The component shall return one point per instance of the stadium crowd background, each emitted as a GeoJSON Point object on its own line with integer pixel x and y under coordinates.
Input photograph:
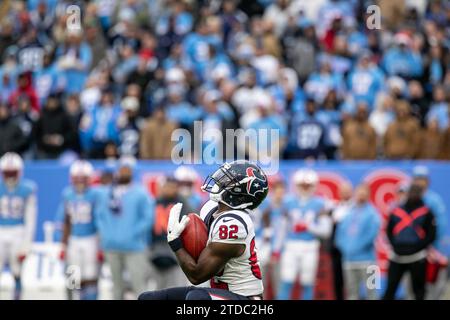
{"type": "Point", "coordinates": [137, 70]}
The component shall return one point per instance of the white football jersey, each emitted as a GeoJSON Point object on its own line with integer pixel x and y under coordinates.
{"type": "Point", "coordinates": [241, 275]}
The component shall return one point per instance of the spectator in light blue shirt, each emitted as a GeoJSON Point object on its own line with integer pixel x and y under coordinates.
{"type": "Point", "coordinates": [74, 59]}
{"type": "Point", "coordinates": [320, 83]}
{"type": "Point", "coordinates": [124, 217]}
{"type": "Point", "coordinates": [178, 109]}
{"type": "Point", "coordinates": [366, 80]}
{"type": "Point", "coordinates": [439, 108]}
{"type": "Point", "coordinates": [48, 79]}
{"type": "Point", "coordinates": [99, 126]}
{"type": "Point", "coordinates": [355, 238]}
{"type": "Point", "coordinates": [268, 123]}
{"type": "Point", "coordinates": [176, 20]}
{"type": "Point", "coordinates": [331, 117]}
{"type": "Point", "coordinates": [401, 60]}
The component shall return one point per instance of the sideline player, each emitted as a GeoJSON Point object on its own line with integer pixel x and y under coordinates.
{"type": "Point", "coordinates": [187, 177]}
{"type": "Point", "coordinates": [18, 209]}
{"type": "Point", "coordinates": [79, 240]}
{"type": "Point", "coordinates": [229, 259]}
{"type": "Point", "coordinates": [271, 211]}
{"type": "Point", "coordinates": [297, 238]}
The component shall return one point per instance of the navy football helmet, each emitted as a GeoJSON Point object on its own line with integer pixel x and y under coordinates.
{"type": "Point", "coordinates": [239, 184]}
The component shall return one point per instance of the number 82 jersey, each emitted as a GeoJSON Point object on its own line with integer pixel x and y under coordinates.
{"type": "Point", "coordinates": [241, 275]}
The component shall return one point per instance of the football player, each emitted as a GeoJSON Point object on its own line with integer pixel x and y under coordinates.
{"type": "Point", "coordinates": [271, 211]}
{"type": "Point", "coordinates": [79, 240]}
{"type": "Point", "coordinates": [298, 236]}
{"type": "Point", "coordinates": [18, 209]}
{"type": "Point", "coordinates": [229, 260]}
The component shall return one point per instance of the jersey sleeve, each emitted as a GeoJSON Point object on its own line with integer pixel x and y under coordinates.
{"type": "Point", "coordinates": [230, 229]}
{"type": "Point", "coordinates": [61, 211]}
{"type": "Point", "coordinates": [30, 188]}
{"type": "Point", "coordinates": [207, 208]}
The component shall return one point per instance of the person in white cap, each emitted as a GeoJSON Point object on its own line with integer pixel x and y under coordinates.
{"type": "Point", "coordinates": [267, 124]}
{"type": "Point", "coordinates": [74, 57]}
{"type": "Point", "coordinates": [186, 178]}
{"type": "Point", "coordinates": [18, 214]}
{"type": "Point", "coordinates": [401, 60]}
{"type": "Point", "coordinates": [297, 238]}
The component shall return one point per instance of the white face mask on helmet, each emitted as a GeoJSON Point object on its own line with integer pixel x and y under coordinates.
{"type": "Point", "coordinates": [214, 195]}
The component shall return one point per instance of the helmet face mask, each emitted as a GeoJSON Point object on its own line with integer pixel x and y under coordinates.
{"type": "Point", "coordinates": [186, 177]}
{"type": "Point", "coordinates": [11, 177]}
{"type": "Point", "coordinates": [219, 181]}
{"type": "Point", "coordinates": [10, 174]}
{"type": "Point", "coordinates": [305, 181]}
{"type": "Point", "coordinates": [306, 189]}
{"type": "Point", "coordinates": [11, 166]}
{"type": "Point", "coordinates": [80, 174]}
{"type": "Point", "coordinates": [239, 185]}
{"type": "Point", "coordinates": [80, 182]}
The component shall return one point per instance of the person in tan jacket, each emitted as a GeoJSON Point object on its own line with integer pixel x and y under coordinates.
{"type": "Point", "coordinates": [431, 141]}
{"type": "Point", "coordinates": [359, 137]}
{"type": "Point", "coordinates": [445, 148]}
{"type": "Point", "coordinates": [402, 138]}
{"type": "Point", "coordinates": [156, 134]}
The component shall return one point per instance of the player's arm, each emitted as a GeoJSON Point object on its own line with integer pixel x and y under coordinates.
{"type": "Point", "coordinates": [323, 227]}
{"type": "Point", "coordinates": [30, 221]}
{"type": "Point", "coordinates": [66, 229]}
{"type": "Point", "coordinates": [211, 261]}
{"type": "Point", "coordinates": [280, 234]}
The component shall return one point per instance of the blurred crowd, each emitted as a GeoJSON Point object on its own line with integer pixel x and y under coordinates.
{"type": "Point", "coordinates": [136, 70]}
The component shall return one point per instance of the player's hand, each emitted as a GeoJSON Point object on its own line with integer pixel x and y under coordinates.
{"type": "Point", "coordinates": [175, 227]}
{"type": "Point", "coordinates": [275, 256]}
{"type": "Point", "coordinates": [62, 254]}
{"type": "Point", "coordinates": [21, 257]}
{"type": "Point", "coordinates": [100, 256]}
{"type": "Point", "coordinates": [300, 227]}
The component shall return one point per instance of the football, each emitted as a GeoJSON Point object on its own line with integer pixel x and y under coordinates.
{"type": "Point", "coordinates": [195, 236]}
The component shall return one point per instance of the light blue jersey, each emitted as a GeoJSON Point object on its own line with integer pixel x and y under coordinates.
{"type": "Point", "coordinates": [13, 202]}
{"type": "Point", "coordinates": [79, 207]}
{"type": "Point", "coordinates": [356, 233]}
{"type": "Point", "coordinates": [124, 217]}
{"type": "Point", "coordinates": [436, 204]}
{"type": "Point", "coordinates": [275, 216]}
{"type": "Point", "coordinates": [303, 212]}
{"type": "Point", "coordinates": [195, 201]}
